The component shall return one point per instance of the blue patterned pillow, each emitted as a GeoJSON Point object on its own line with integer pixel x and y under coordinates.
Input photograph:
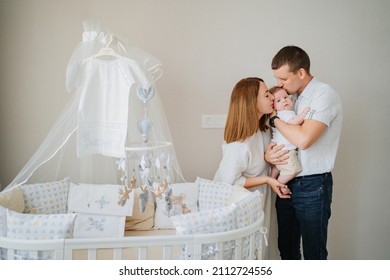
{"type": "Point", "coordinates": [213, 194]}
{"type": "Point", "coordinates": [46, 198]}
{"type": "Point", "coordinates": [208, 221]}
{"type": "Point", "coordinates": [248, 211]}
{"type": "Point", "coordinates": [3, 221]}
{"type": "Point", "coordinates": [42, 226]}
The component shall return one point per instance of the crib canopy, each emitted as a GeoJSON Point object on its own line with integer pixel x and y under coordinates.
{"type": "Point", "coordinates": [114, 128]}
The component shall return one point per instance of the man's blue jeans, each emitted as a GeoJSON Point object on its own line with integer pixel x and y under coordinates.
{"type": "Point", "coordinates": [305, 215]}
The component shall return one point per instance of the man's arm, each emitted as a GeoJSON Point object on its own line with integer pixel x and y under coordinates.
{"type": "Point", "coordinates": [302, 136]}
{"type": "Point", "coordinates": [299, 118]}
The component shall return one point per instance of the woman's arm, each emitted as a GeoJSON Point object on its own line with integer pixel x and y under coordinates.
{"type": "Point", "coordinates": [273, 183]}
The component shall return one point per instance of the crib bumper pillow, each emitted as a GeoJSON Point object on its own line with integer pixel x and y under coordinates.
{"type": "Point", "coordinates": [222, 207]}
{"type": "Point", "coordinates": [13, 200]}
{"type": "Point", "coordinates": [99, 226]}
{"type": "Point", "coordinates": [99, 199]}
{"type": "Point", "coordinates": [177, 198]}
{"type": "Point", "coordinates": [99, 212]}
{"type": "Point", "coordinates": [38, 227]}
{"type": "Point", "coordinates": [46, 198]}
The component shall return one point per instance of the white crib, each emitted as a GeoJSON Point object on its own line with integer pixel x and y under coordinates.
{"type": "Point", "coordinates": [226, 222]}
{"type": "Point", "coordinates": [166, 247]}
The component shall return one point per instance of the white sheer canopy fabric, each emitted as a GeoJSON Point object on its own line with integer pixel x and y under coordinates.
{"type": "Point", "coordinates": [116, 104]}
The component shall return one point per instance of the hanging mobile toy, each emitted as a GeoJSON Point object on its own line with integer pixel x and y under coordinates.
{"type": "Point", "coordinates": [143, 198]}
{"type": "Point", "coordinates": [124, 195]}
{"type": "Point", "coordinates": [145, 94]}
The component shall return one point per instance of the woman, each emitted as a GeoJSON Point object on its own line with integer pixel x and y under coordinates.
{"type": "Point", "coordinates": [246, 138]}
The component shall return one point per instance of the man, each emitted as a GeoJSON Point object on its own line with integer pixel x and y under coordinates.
{"type": "Point", "coordinates": [307, 212]}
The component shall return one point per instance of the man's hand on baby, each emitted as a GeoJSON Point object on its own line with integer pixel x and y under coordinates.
{"type": "Point", "coordinates": [275, 155]}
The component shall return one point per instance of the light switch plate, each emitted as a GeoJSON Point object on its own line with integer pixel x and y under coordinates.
{"type": "Point", "coordinates": [213, 121]}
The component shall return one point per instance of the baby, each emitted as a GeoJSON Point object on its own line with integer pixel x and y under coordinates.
{"type": "Point", "coordinates": [284, 105]}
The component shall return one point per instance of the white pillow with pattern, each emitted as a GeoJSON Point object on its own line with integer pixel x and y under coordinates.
{"type": "Point", "coordinates": [213, 194]}
{"type": "Point", "coordinates": [208, 221]}
{"type": "Point", "coordinates": [39, 226]}
{"type": "Point", "coordinates": [248, 211]}
{"type": "Point", "coordinates": [46, 198]}
{"type": "Point", "coordinates": [99, 226]}
{"type": "Point", "coordinates": [178, 198]}
{"type": "Point", "coordinates": [3, 221]}
{"type": "Point", "coordinates": [99, 199]}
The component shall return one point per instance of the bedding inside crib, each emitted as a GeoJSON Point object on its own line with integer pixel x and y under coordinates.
{"type": "Point", "coordinates": [92, 224]}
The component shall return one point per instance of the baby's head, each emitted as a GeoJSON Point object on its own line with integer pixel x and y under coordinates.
{"type": "Point", "coordinates": [282, 100]}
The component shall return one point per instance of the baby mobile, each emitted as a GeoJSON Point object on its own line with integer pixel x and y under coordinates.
{"type": "Point", "coordinates": [147, 161]}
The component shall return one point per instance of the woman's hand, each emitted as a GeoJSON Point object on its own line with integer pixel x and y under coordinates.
{"type": "Point", "coordinates": [281, 190]}
{"type": "Point", "coordinates": [275, 155]}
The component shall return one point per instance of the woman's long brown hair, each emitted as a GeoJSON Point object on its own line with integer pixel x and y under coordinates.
{"type": "Point", "coordinates": [242, 120]}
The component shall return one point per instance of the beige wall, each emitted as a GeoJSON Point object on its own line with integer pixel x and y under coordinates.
{"type": "Point", "coordinates": [206, 46]}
